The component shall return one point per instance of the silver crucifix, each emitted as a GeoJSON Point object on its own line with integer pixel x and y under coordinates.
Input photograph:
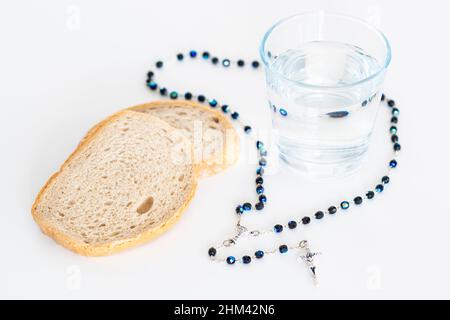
{"type": "Point", "coordinates": [308, 258]}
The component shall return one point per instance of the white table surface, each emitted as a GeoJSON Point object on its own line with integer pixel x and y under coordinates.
{"type": "Point", "coordinates": [67, 64]}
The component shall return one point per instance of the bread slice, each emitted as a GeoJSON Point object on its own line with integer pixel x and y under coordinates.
{"type": "Point", "coordinates": [214, 141]}
{"type": "Point", "coordinates": [126, 183]}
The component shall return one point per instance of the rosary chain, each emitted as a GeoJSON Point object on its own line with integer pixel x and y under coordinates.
{"type": "Point", "coordinates": [262, 163]}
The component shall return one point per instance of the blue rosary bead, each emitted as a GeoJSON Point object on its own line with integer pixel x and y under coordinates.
{"type": "Point", "coordinates": [345, 205]}
{"type": "Point", "coordinates": [193, 53]}
{"type": "Point", "coordinates": [259, 206]}
{"type": "Point", "coordinates": [370, 194]}
{"type": "Point", "coordinates": [391, 103]}
{"type": "Point", "coordinates": [395, 112]}
{"type": "Point", "coordinates": [215, 60]}
{"type": "Point", "coordinates": [247, 129]}
{"type": "Point", "coordinates": [394, 138]}
{"type": "Point", "coordinates": [260, 189]}
{"type": "Point", "coordinates": [173, 95]}
{"type": "Point", "coordinates": [212, 252]}
{"type": "Point", "coordinates": [259, 180]}
{"type": "Point", "coordinates": [319, 215]}
{"type": "Point", "coordinates": [255, 64]}
{"type": "Point", "coordinates": [188, 96]}
{"type": "Point", "coordinates": [163, 91]}
{"type": "Point", "coordinates": [263, 152]}
{"type": "Point", "coordinates": [212, 102]}
{"type": "Point", "coordinates": [259, 145]}
{"type": "Point", "coordinates": [150, 74]}
{"type": "Point", "coordinates": [152, 85]}
{"type": "Point", "coordinates": [379, 188]}
{"type": "Point", "coordinates": [201, 98]}
{"type": "Point", "coordinates": [159, 64]}
{"type": "Point", "coordinates": [260, 171]}
{"type": "Point", "coordinates": [283, 248]}
{"type": "Point", "coordinates": [283, 112]}
{"type": "Point", "coordinates": [246, 259]}
{"type": "Point", "coordinates": [306, 220]}
{"type": "Point", "coordinates": [225, 108]}
{"type": "Point", "coordinates": [205, 55]}
{"type": "Point", "coordinates": [259, 254]}
{"type": "Point", "coordinates": [385, 180]}
{"type": "Point", "coordinates": [358, 200]}
{"type": "Point", "coordinates": [332, 210]}
{"type": "Point", "coordinates": [231, 260]}
{"type": "Point", "coordinates": [393, 130]}
{"type": "Point", "coordinates": [278, 228]}
{"type": "Point", "coordinates": [262, 162]}
{"type": "Point", "coordinates": [262, 198]}
{"type": "Point", "coordinates": [180, 56]}
{"type": "Point", "coordinates": [239, 209]}
{"type": "Point", "coordinates": [397, 147]}
{"type": "Point", "coordinates": [292, 224]}
{"type": "Point", "coordinates": [247, 206]}
{"type": "Point", "coordinates": [226, 63]}
{"type": "Point", "coordinates": [235, 115]}
{"type": "Point", "coordinates": [393, 163]}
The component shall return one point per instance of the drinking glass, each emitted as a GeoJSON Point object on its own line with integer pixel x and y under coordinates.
{"type": "Point", "coordinates": [324, 73]}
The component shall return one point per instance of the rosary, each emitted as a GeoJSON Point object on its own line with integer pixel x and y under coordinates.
{"type": "Point", "coordinates": [242, 231]}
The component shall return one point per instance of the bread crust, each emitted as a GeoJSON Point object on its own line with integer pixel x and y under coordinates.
{"type": "Point", "coordinates": [114, 246]}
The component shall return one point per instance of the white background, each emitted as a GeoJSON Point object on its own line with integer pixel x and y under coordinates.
{"type": "Point", "coordinates": [64, 65]}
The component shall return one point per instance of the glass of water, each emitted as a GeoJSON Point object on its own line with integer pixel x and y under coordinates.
{"type": "Point", "coordinates": [324, 74]}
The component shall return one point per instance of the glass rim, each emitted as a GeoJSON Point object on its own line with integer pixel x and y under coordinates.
{"type": "Point", "coordinates": [382, 68]}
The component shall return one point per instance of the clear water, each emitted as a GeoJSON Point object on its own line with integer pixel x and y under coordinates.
{"type": "Point", "coordinates": [322, 130]}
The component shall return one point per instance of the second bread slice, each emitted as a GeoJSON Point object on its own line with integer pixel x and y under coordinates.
{"type": "Point", "coordinates": [214, 141]}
